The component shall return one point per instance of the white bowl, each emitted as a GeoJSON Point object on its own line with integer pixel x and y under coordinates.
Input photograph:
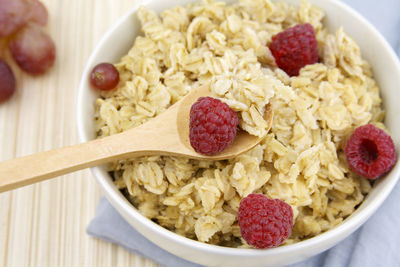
{"type": "Point", "coordinates": [386, 67]}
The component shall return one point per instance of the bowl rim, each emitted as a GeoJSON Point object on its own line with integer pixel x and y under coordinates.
{"type": "Point", "coordinates": [349, 225]}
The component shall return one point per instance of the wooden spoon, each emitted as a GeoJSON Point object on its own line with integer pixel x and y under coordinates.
{"type": "Point", "coordinates": [167, 134]}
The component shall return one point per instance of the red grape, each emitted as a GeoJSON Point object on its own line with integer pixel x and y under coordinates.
{"type": "Point", "coordinates": [104, 76]}
{"type": "Point", "coordinates": [32, 49]}
{"type": "Point", "coordinates": [38, 13]}
{"type": "Point", "coordinates": [7, 81]}
{"type": "Point", "coordinates": [14, 14]}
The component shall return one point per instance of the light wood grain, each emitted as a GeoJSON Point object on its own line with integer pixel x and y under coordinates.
{"type": "Point", "coordinates": [44, 224]}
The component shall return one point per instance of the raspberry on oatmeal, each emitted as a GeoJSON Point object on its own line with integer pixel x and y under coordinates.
{"type": "Point", "coordinates": [295, 48]}
{"type": "Point", "coordinates": [264, 222]}
{"type": "Point", "coordinates": [370, 152]}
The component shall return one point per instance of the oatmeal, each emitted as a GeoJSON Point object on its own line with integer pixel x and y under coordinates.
{"type": "Point", "coordinates": [300, 160]}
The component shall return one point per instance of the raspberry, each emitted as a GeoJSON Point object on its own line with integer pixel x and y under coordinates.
{"type": "Point", "coordinates": [264, 222]}
{"type": "Point", "coordinates": [212, 125]}
{"type": "Point", "coordinates": [294, 48]}
{"type": "Point", "coordinates": [370, 152]}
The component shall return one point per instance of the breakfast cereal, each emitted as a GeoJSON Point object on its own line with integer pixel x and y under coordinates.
{"type": "Point", "coordinates": [300, 160]}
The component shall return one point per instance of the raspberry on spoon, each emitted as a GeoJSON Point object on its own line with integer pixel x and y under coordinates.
{"type": "Point", "coordinates": [213, 125]}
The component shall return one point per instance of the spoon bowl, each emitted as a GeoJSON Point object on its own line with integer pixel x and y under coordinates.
{"type": "Point", "coordinates": [242, 142]}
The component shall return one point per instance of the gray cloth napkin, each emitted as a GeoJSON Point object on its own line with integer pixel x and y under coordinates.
{"type": "Point", "coordinates": [376, 243]}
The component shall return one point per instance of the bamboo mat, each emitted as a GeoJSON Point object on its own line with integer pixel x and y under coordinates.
{"type": "Point", "coordinates": [44, 224]}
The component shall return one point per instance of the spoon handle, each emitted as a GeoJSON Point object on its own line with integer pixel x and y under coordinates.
{"type": "Point", "coordinates": [34, 168]}
{"type": "Point", "coordinates": [155, 137]}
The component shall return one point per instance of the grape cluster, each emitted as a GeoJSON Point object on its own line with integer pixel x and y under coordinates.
{"type": "Point", "coordinates": [21, 30]}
